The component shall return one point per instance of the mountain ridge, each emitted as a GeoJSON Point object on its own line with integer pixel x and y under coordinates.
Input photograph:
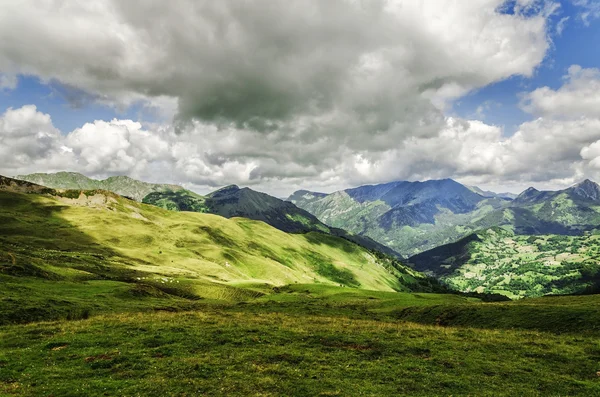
{"type": "Point", "coordinates": [413, 217]}
{"type": "Point", "coordinates": [122, 185]}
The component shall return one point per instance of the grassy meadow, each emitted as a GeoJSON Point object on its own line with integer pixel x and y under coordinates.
{"type": "Point", "coordinates": [300, 347]}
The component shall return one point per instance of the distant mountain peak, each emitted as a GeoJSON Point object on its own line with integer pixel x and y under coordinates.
{"type": "Point", "coordinates": [122, 185]}
{"type": "Point", "coordinates": [305, 196]}
{"type": "Point", "coordinates": [586, 183]}
{"type": "Point", "coordinates": [229, 189]}
{"type": "Point", "coordinates": [528, 195]}
{"type": "Point", "coordinates": [587, 189]}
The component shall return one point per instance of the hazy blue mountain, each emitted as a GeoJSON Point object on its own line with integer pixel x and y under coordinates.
{"type": "Point", "coordinates": [490, 194]}
{"type": "Point", "coordinates": [303, 197]}
{"type": "Point", "coordinates": [407, 216]}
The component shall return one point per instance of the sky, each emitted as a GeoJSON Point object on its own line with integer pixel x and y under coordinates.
{"type": "Point", "coordinates": [281, 95]}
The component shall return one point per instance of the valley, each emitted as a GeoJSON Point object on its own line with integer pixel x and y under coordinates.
{"type": "Point", "coordinates": [497, 261]}
{"type": "Point", "coordinates": [177, 293]}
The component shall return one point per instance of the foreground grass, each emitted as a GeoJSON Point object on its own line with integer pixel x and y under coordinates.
{"type": "Point", "coordinates": [221, 351]}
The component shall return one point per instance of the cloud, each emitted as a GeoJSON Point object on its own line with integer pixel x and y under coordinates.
{"type": "Point", "coordinates": [282, 94]}
{"type": "Point", "coordinates": [590, 9]}
{"type": "Point", "coordinates": [258, 63]}
{"type": "Point", "coordinates": [27, 137]}
{"type": "Point", "coordinates": [8, 82]}
{"type": "Point", "coordinates": [579, 96]}
{"type": "Point", "coordinates": [561, 25]}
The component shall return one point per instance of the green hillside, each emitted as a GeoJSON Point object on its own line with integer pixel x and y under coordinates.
{"type": "Point", "coordinates": [498, 261]}
{"type": "Point", "coordinates": [231, 201]}
{"type": "Point", "coordinates": [121, 185]}
{"type": "Point", "coordinates": [84, 244]}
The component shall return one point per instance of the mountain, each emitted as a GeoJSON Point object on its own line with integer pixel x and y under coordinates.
{"type": "Point", "coordinates": [231, 201]}
{"type": "Point", "coordinates": [303, 197]}
{"type": "Point", "coordinates": [490, 194]}
{"type": "Point", "coordinates": [497, 261]}
{"type": "Point", "coordinates": [121, 185]}
{"type": "Point", "coordinates": [569, 211]}
{"type": "Point", "coordinates": [412, 217]}
{"type": "Point", "coordinates": [409, 217]}
{"type": "Point", "coordinates": [64, 241]}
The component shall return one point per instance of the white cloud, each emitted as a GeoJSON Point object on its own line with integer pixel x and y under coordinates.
{"type": "Point", "coordinates": [273, 62]}
{"type": "Point", "coordinates": [8, 82]}
{"type": "Point", "coordinates": [561, 25]}
{"type": "Point", "coordinates": [287, 94]}
{"type": "Point", "coordinates": [549, 151]}
{"type": "Point", "coordinates": [590, 10]}
{"type": "Point", "coordinates": [27, 137]}
{"type": "Point", "coordinates": [579, 96]}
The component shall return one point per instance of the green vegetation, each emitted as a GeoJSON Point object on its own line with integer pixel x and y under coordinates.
{"type": "Point", "coordinates": [309, 340]}
{"type": "Point", "coordinates": [498, 261]}
{"type": "Point", "coordinates": [59, 254]}
{"type": "Point", "coordinates": [101, 295]}
{"type": "Point", "coordinates": [182, 200]}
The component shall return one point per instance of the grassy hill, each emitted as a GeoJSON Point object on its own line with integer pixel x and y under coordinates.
{"type": "Point", "coordinates": [496, 260]}
{"type": "Point", "coordinates": [68, 247]}
{"type": "Point", "coordinates": [231, 201]}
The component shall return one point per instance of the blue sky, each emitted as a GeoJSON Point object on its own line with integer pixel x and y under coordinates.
{"type": "Point", "coordinates": [578, 44]}
{"type": "Point", "coordinates": [66, 116]}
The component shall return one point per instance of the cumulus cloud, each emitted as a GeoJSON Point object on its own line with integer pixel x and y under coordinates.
{"type": "Point", "coordinates": [27, 137]}
{"type": "Point", "coordinates": [579, 96]}
{"type": "Point", "coordinates": [258, 64]}
{"type": "Point", "coordinates": [286, 94]}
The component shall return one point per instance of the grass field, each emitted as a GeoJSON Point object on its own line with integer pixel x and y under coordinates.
{"type": "Point", "coordinates": [335, 343]}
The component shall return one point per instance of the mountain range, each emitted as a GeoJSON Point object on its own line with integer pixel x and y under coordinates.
{"type": "Point", "coordinates": [468, 238]}
{"type": "Point", "coordinates": [413, 217]}
{"type": "Point", "coordinates": [409, 217]}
